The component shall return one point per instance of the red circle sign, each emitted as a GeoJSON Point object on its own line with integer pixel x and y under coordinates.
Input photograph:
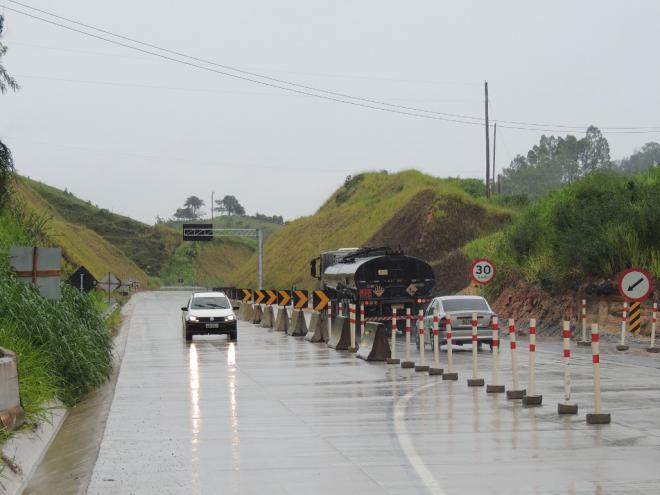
{"type": "Point", "coordinates": [635, 284]}
{"type": "Point", "coordinates": [482, 271]}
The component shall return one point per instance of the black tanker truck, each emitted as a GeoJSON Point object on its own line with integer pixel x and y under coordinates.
{"type": "Point", "coordinates": [380, 278]}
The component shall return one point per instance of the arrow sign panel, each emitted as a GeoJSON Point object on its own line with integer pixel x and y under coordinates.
{"type": "Point", "coordinates": [635, 284]}
{"type": "Point", "coordinates": [283, 297]}
{"type": "Point", "coordinates": [259, 296]}
{"type": "Point", "coordinates": [300, 299]}
{"type": "Point", "coordinates": [110, 282]}
{"type": "Point", "coordinates": [320, 300]}
{"type": "Point", "coordinates": [247, 295]}
{"type": "Point", "coordinates": [272, 297]}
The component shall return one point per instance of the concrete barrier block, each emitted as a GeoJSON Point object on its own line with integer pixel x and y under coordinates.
{"type": "Point", "coordinates": [12, 415]}
{"type": "Point", "coordinates": [267, 318]}
{"type": "Point", "coordinates": [257, 314]}
{"type": "Point", "coordinates": [282, 323]}
{"type": "Point", "coordinates": [298, 327]}
{"type": "Point", "coordinates": [374, 345]}
{"type": "Point", "coordinates": [340, 334]}
{"type": "Point", "coordinates": [318, 328]}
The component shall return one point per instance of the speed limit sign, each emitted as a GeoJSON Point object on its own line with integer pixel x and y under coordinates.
{"type": "Point", "coordinates": [482, 271]}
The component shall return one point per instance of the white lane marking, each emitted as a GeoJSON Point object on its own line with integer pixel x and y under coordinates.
{"type": "Point", "coordinates": [407, 446]}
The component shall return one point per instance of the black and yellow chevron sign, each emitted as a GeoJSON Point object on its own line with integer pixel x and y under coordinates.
{"type": "Point", "coordinates": [635, 317]}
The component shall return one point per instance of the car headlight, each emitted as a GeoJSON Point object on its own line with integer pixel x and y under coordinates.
{"type": "Point", "coordinates": [231, 318]}
{"type": "Point", "coordinates": [192, 318]}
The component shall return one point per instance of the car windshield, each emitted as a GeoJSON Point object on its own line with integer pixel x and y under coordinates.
{"type": "Point", "coordinates": [453, 305]}
{"type": "Point", "coordinates": [210, 302]}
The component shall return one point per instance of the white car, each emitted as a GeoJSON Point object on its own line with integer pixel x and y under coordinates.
{"type": "Point", "coordinates": [209, 313]}
{"type": "Point", "coordinates": [461, 309]}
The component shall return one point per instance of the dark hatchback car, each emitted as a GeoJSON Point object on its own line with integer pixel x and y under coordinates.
{"type": "Point", "coordinates": [209, 313]}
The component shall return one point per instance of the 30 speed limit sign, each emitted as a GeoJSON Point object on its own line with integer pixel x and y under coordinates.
{"type": "Point", "coordinates": [483, 271]}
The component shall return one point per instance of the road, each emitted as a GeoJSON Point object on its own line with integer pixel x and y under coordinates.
{"type": "Point", "coordinates": [279, 415]}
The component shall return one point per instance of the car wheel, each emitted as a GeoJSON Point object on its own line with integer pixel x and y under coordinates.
{"type": "Point", "coordinates": [188, 335]}
{"type": "Point", "coordinates": [490, 344]}
{"type": "Point", "coordinates": [233, 335]}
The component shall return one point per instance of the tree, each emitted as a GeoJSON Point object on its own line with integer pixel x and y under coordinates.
{"type": "Point", "coordinates": [230, 206]}
{"type": "Point", "coordinates": [595, 153]}
{"type": "Point", "coordinates": [6, 162]}
{"type": "Point", "coordinates": [643, 159]}
{"type": "Point", "coordinates": [194, 203]}
{"type": "Point", "coordinates": [6, 81]}
{"type": "Point", "coordinates": [184, 214]}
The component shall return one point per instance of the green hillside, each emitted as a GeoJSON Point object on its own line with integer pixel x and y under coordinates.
{"type": "Point", "coordinates": [428, 217]}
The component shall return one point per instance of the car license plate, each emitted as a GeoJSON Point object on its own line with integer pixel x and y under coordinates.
{"type": "Point", "coordinates": [213, 325]}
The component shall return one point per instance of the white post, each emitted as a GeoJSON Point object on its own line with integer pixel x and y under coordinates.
{"type": "Point", "coordinates": [532, 399]}
{"type": "Point", "coordinates": [624, 323]}
{"type": "Point", "coordinates": [495, 345]}
{"type": "Point", "coordinates": [436, 369]}
{"type": "Point", "coordinates": [566, 407]}
{"type": "Point", "coordinates": [654, 319]}
{"type": "Point", "coordinates": [450, 374]}
{"type": "Point", "coordinates": [583, 317]}
{"type": "Point", "coordinates": [475, 381]}
{"type": "Point", "coordinates": [517, 392]}
{"type": "Point", "coordinates": [362, 320]}
{"type": "Point", "coordinates": [408, 363]}
{"type": "Point", "coordinates": [598, 417]}
{"type": "Point", "coordinates": [422, 343]}
{"type": "Point", "coordinates": [393, 359]}
{"type": "Point", "coordinates": [351, 311]}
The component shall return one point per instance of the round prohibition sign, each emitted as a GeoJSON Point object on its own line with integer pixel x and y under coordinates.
{"type": "Point", "coordinates": [635, 284]}
{"type": "Point", "coordinates": [482, 271]}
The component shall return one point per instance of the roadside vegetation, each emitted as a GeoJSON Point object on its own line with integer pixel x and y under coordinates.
{"type": "Point", "coordinates": [592, 228]}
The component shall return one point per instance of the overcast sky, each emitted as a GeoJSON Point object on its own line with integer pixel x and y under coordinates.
{"type": "Point", "coordinates": [137, 134]}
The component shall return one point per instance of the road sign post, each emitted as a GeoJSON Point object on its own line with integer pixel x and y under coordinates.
{"type": "Point", "coordinates": [635, 285]}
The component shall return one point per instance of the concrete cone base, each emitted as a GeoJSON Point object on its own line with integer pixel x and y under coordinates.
{"type": "Point", "coordinates": [598, 419]}
{"type": "Point", "coordinates": [495, 389]}
{"type": "Point", "coordinates": [622, 347]}
{"type": "Point", "coordinates": [422, 367]}
{"type": "Point", "coordinates": [532, 400]}
{"type": "Point", "coordinates": [475, 382]}
{"type": "Point", "coordinates": [352, 349]}
{"type": "Point", "coordinates": [515, 394]}
{"type": "Point", "coordinates": [407, 364]}
{"type": "Point", "coordinates": [436, 371]}
{"type": "Point", "coordinates": [393, 361]}
{"type": "Point", "coordinates": [450, 376]}
{"type": "Point", "coordinates": [567, 408]}
{"type": "Point", "coordinates": [653, 349]}
{"type": "Point", "coordinates": [583, 343]}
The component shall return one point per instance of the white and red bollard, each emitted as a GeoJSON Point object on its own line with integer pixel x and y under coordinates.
{"type": "Point", "coordinates": [475, 381]}
{"type": "Point", "coordinates": [408, 363]}
{"type": "Point", "coordinates": [597, 417]}
{"type": "Point", "coordinates": [532, 398]}
{"type": "Point", "coordinates": [340, 309]}
{"type": "Point", "coordinates": [516, 392]}
{"type": "Point", "coordinates": [393, 359]}
{"type": "Point", "coordinates": [351, 310]}
{"type": "Point", "coordinates": [436, 369]}
{"type": "Point", "coordinates": [583, 318]}
{"type": "Point", "coordinates": [654, 319]}
{"type": "Point", "coordinates": [567, 407]}
{"type": "Point", "coordinates": [422, 366]}
{"type": "Point", "coordinates": [450, 374]}
{"type": "Point", "coordinates": [494, 387]}
{"type": "Point", "coordinates": [624, 323]}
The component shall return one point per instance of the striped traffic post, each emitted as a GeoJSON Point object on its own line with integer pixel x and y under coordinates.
{"type": "Point", "coordinates": [351, 312]}
{"type": "Point", "coordinates": [495, 388]}
{"type": "Point", "coordinates": [451, 374]}
{"type": "Point", "coordinates": [583, 317]}
{"type": "Point", "coordinates": [654, 319]}
{"type": "Point", "coordinates": [567, 407]}
{"type": "Point", "coordinates": [393, 359]}
{"type": "Point", "coordinates": [475, 381]}
{"type": "Point", "coordinates": [517, 392]}
{"type": "Point", "coordinates": [422, 366]}
{"type": "Point", "coordinates": [340, 309]}
{"type": "Point", "coordinates": [408, 363]}
{"type": "Point", "coordinates": [330, 318]}
{"type": "Point", "coordinates": [362, 320]}
{"type": "Point", "coordinates": [532, 398]}
{"type": "Point", "coordinates": [436, 369]}
{"type": "Point", "coordinates": [624, 320]}
{"type": "Point", "coordinates": [597, 417]}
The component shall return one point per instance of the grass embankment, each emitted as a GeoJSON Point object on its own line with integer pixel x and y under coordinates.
{"type": "Point", "coordinates": [593, 228]}
{"type": "Point", "coordinates": [80, 245]}
{"type": "Point", "coordinates": [63, 347]}
{"type": "Point", "coordinates": [378, 208]}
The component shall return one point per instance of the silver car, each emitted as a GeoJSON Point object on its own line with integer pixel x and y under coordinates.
{"type": "Point", "coordinates": [461, 309]}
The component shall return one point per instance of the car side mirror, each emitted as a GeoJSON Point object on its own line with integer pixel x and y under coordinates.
{"type": "Point", "coordinates": [185, 308]}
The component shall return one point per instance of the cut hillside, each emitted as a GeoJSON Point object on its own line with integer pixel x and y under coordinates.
{"type": "Point", "coordinates": [148, 247]}
{"type": "Point", "coordinates": [428, 217]}
{"type": "Point", "coordinates": [80, 245]}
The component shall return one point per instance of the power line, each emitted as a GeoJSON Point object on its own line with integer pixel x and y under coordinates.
{"type": "Point", "coordinates": [306, 90]}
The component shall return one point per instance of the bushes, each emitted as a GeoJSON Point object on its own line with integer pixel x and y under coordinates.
{"type": "Point", "coordinates": [69, 334]}
{"type": "Point", "coordinates": [595, 227]}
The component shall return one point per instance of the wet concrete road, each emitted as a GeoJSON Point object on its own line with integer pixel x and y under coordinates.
{"type": "Point", "coordinates": [279, 415]}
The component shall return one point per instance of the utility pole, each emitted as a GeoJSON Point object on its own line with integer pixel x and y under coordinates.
{"type": "Point", "coordinates": [212, 192]}
{"type": "Point", "coordinates": [487, 142]}
{"type": "Point", "coordinates": [494, 145]}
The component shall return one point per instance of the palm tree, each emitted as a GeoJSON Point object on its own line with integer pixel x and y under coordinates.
{"type": "Point", "coordinates": [194, 203]}
{"type": "Point", "coordinates": [6, 81]}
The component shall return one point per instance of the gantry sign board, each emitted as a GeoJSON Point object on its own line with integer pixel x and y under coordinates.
{"type": "Point", "coordinates": [635, 284]}
{"type": "Point", "coordinates": [482, 271]}
{"type": "Point", "coordinates": [197, 232]}
{"type": "Point", "coordinates": [39, 266]}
